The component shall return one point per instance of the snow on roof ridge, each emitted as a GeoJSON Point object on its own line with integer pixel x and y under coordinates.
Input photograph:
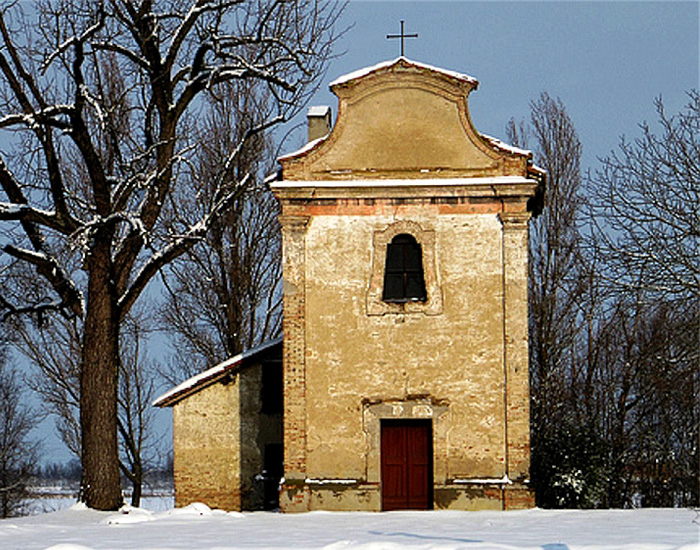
{"type": "Point", "coordinates": [318, 110]}
{"type": "Point", "coordinates": [214, 371]}
{"type": "Point", "coordinates": [503, 145]}
{"type": "Point", "coordinates": [310, 145]}
{"type": "Point", "coordinates": [384, 64]}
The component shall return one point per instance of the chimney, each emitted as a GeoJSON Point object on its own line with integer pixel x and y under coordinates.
{"type": "Point", "coordinates": [319, 118]}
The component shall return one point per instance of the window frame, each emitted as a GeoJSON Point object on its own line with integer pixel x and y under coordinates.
{"type": "Point", "coordinates": [375, 304]}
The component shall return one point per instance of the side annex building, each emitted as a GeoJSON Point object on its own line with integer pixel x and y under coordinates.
{"type": "Point", "coordinates": [402, 380]}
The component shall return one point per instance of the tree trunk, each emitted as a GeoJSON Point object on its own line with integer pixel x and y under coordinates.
{"type": "Point", "coordinates": [137, 483]}
{"type": "Point", "coordinates": [101, 486]}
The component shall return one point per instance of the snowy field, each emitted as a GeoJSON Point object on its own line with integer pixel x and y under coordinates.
{"type": "Point", "coordinates": [199, 528]}
{"type": "Point", "coordinates": [55, 502]}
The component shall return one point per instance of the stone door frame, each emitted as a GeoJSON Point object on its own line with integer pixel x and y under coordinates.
{"type": "Point", "coordinates": [420, 408]}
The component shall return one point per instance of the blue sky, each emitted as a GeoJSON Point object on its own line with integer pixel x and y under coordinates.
{"type": "Point", "coordinates": [607, 61]}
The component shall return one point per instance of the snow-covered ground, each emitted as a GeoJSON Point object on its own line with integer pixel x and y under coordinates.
{"type": "Point", "coordinates": [199, 528]}
{"type": "Point", "coordinates": [53, 502]}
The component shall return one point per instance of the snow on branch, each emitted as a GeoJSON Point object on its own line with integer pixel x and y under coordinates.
{"type": "Point", "coordinates": [195, 12]}
{"type": "Point", "coordinates": [76, 40]}
{"type": "Point", "coordinates": [11, 211]}
{"type": "Point", "coordinates": [23, 212]}
{"type": "Point", "coordinates": [178, 246]}
{"type": "Point", "coordinates": [229, 165]}
{"type": "Point", "coordinates": [34, 119]}
{"type": "Point", "coordinates": [39, 309]}
{"type": "Point", "coordinates": [51, 270]}
{"type": "Point", "coordinates": [130, 218]}
{"type": "Point", "coordinates": [126, 52]}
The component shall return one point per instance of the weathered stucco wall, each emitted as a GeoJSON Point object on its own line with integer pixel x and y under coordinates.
{"type": "Point", "coordinates": [227, 430]}
{"type": "Point", "coordinates": [206, 448]}
{"type": "Point", "coordinates": [219, 436]}
{"type": "Point", "coordinates": [462, 362]}
{"type": "Point", "coordinates": [455, 357]}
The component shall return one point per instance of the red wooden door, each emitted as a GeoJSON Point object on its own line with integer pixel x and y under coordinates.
{"type": "Point", "coordinates": [407, 465]}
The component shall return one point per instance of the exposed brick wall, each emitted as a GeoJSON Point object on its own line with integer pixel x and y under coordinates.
{"type": "Point", "coordinates": [294, 327]}
{"type": "Point", "coordinates": [206, 448]}
{"type": "Point", "coordinates": [515, 233]}
{"type": "Point", "coordinates": [518, 498]}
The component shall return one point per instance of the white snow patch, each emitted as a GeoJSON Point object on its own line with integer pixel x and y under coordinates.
{"type": "Point", "coordinates": [331, 481]}
{"type": "Point", "coordinates": [367, 70]}
{"type": "Point", "coordinates": [505, 480]}
{"type": "Point", "coordinates": [426, 182]}
{"type": "Point", "coordinates": [129, 514]}
{"type": "Point", "coordinates": [194, 509]}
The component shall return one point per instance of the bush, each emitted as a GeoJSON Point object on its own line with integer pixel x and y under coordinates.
{"type": "Point", "coordinates": [569, 468]}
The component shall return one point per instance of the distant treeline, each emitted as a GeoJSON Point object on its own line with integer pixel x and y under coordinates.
{"type": "Point", "coordinates": [68, 474]}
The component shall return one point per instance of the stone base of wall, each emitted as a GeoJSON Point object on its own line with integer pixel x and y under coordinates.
{"type": "Point", "coordinates": [471, 498]}
{"type": "Point", "coordinates": [338, 497]}
{"type": "Point", "coordinates": [519, 497]}
{"type": "Point", "coordinates": [223, 498]}
{"type": "Point", "coordinates": [294, 496]}
{"type": "Point", "coordinates": [366, 497]}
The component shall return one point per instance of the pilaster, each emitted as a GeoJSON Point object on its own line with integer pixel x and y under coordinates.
{"type": "Point", "coordinates": [515, 332]}
{"type": "Point", "coordinates": [294, 496]}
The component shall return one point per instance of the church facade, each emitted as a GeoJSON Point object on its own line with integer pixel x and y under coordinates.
{"type": "Point", "coordinates": [405, 354]}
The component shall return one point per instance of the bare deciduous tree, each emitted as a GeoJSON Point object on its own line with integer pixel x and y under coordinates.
{"type": "Point", "coordinates": [557, 284]}
{"type": "Point", "coordinates": [614, 352]}
{"type": "Point", "coordinates": [98, 103]}
{"type": "Point", "coordinates": [18, 454]}
{"type": "Point", "coordinates": [224, 294]}
{"type": "Point", "coordinates": [647, 194]}
{"type": "Point", "coordinates": [137, 384]}
{"type": "Point", "coordinates": [54, 350]}
{"type": "Point", "coordinates": [645, 226]}
{"type": "Point", "coordinates": [663, 436]}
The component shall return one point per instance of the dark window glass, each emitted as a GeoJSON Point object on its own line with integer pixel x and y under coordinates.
{"type": "Point", "coordinates": [403, 273]}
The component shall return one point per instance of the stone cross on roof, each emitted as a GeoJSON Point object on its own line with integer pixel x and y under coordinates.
{"type": "Point", "coordinates": [402, 36]}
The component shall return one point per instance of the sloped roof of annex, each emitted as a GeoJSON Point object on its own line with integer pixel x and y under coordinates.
{"type": "Point", "coordinates": [215, 374]}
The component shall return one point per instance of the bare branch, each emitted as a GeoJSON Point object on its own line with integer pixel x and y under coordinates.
{"type": "Point", "coordinates": [75, 40]}
{"type": "Point", "coordinates": [176, 248]}
{"type": "Point", "coordinates": [52, 271]}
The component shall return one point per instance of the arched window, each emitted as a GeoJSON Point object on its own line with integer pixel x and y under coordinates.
{"type": "Point", "coordinates": [403, 272]}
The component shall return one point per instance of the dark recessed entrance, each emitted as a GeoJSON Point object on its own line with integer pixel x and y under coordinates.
{"type": "Point", "coordinates": [407, 465]}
